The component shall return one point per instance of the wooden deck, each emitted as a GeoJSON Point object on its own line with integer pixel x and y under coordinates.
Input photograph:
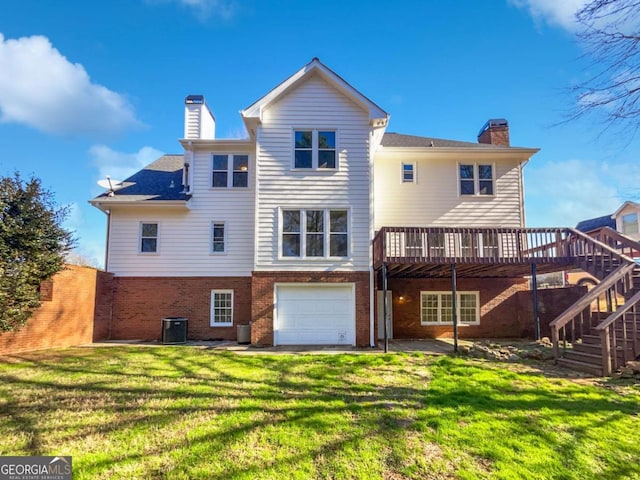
{"type": "Point", "coordinates": [479, 252]}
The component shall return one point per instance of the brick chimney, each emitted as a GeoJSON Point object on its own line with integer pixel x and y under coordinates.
{"type": "Point", "coordinates": [495, 132]}
{"type": "Point", "coordinates": [199, 122]}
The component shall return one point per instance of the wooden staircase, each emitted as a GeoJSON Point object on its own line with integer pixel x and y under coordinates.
{"type": "Point", "coordinates": [601, 332]}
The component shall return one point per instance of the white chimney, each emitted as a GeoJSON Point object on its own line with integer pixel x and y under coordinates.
{"type": "Point", "coordinates": [199, 122]}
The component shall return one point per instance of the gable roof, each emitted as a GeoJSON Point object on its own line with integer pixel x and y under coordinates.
{"type": "Point", "coordinates": [626, 204]}
{"type": "Point", "coordinates": [252, 115]}
{"type": "Point", "coordinates": [160, 181]}
{"type": "Point", "coordinates": [596, 223]}
{"type": "Point", "coordinates": [398, 140]}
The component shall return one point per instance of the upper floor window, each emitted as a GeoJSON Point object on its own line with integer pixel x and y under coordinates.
{"type": "Point", "coordinates": [630, 223]}
{"type": "Point", "coordinates": [148, 238]}
{"type": "Point", "coordinates": [218, 237]}
{"type": "Point", "coordinates": [230, 171]}
{"type": "Point", "coordinates": [315, 149]}
{"type": "Point", "coordinates": [408, 173]}
{"type": "Point", "coordinates": [476, 179]}
{"type": "Point", "coordinates": [315, 233]}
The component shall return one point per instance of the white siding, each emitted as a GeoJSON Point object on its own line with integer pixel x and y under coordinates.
{"type": "Point", "coordinates": [313, 105]}
{"type": "Point", "coordinates": [185, 235]}
{"type": "Point", "coordinates": [433, 199]}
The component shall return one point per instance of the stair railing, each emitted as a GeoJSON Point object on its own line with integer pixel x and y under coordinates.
{"type": "Point", "coordinates": [576, 320]}
{"type": "Point", "coordinates": [619, 335]}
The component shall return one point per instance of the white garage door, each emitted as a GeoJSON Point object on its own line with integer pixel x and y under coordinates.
{"type": "Point", "coordinates": [314, 315]}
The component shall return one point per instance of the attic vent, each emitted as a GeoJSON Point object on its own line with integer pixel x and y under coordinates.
{"type": "Point", "coordinates": [197, 99]}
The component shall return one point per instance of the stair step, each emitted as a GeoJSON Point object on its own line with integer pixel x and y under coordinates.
{"type": "Point", "coordinates": [583, 357]}
{"type": "Point", "coordinates": [590, 339]}
{"type": "Point", "coordinates": [592, 348]}
{"type": "Point", "coordinates": [581, 367]}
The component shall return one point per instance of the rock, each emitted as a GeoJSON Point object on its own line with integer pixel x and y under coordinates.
{"type": "Point", "coordinates": [514, 358]}
{"type": "Point", "coordinates": [633, 366]}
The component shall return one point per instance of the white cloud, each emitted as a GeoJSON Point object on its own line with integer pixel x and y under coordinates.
{"type": "Point", "coordinates": [120, 165]}
{"type": "Point", "coordinates": [41, 88]}
{"type": "Point", "coordinates": [563, 193]}
{"type": "Point", "coordinates": [225, 9]}
{"type": "Point", "coordinates": [560, 13]}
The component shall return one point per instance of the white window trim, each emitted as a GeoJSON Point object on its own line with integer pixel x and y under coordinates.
{"type": "Point", "coordinates": [229, 186]}
{"type": "Point", "coordinates": [224, 225]}
{"type": "Point", "coordinates": [414, 171]}
{"type": "Point", "coordinates": [476, 180]}
{"type": "Point", "coordinates": [440, 292]}
{"type": "Point", "coordinates": [314, 149]}
{"type": "Point", "coordinates": [303, 234]}
{"type": "Point", "coordinates": [140, 252]}
{"type": "Point", "coordinates": [212, 310]}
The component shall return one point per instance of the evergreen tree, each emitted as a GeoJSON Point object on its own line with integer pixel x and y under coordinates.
{"type": "Point", "coordinates": [33, 245]}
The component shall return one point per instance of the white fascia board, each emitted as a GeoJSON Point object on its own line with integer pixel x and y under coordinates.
{"type": "Point", "coordinates": [377, 116]}
{"type": "Point", "coordinates": [105, 204]}
{"type": "Point", "coordinates": [521, 154]}
{"type": "Point", "coordinates": [239, 143]}
{"type": "Point", "coordinates": [626, 204]}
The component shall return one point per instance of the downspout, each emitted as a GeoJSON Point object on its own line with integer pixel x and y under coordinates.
{"type": "Point", "coordinates": [372, 297]}
{"type": "Point", "coordinates": [522, 215]}
{"type": "Point", "coordinates": [106, 250]}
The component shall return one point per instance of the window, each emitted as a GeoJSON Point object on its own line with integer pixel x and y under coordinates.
{"type": "Point", "coordinates": [315, 149]}
{"type": "Point", "coordinates": [315, 233]}
{"type": "Point", "coordinates": [408, 173]}
{"type": "Point", "coordinates": [630, 223]}
{"type": "Point", "coordinates": [339, 235]}
{"type": "Point", "coordinates": [437, 308]}
{"type": "Point", "coordinates": [436, 244]}
{"type": "Point", "coordinates": [413, 244]}
{"type": "Point", "coordinates": [221, 308]}
{"type": "Point", "coordinates": [218, 237]}
{"type": "Point", "coordinates": [490, 244]}
{"type": "Point", "coordinates": [476, 179]}
{"type": "Point", "coordinates": [230, 171]}
{"type": "Point", "coordinates": [148, 238]}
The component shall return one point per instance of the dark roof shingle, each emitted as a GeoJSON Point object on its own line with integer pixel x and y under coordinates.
{"type": "Point", "coordinates": [160, 180]}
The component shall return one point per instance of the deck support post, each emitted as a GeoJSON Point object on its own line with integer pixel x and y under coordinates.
{"type": "Point", "coordinates": [385, 307]}
{"type": "Point", "coordinates": [536, 312]}
{"type": "Point", "coordinates": [454, 306]}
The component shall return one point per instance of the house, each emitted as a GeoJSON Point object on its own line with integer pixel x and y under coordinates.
{"type": "Point", "coordinates": [626, 219]}
{"type": "Point", "coordinates": [300, 228]}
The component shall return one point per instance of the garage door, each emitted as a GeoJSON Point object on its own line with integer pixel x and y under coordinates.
{"type": "Point", "coordinates": [314, 315]}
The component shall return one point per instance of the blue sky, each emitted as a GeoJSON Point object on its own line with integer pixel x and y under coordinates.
{"type": "Point", "coordinates": [95, 88]}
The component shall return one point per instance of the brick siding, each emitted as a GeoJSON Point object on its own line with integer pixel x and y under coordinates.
{"type": "Point", "coordinates": [551, 303]}
{"type": "Point", "coordinates": [262, 304]}
{"type": "Point", "coordinates": [499, 307]}
{"type": "Point", "coordinates": [64, 319]}
{"type": "Point", "coordinates": [140, 304]}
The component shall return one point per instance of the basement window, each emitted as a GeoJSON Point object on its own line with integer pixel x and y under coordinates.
{"type": "Point", "coordinates": [436, 308]}
{"type": "Point", "coordinates": [221, 308]}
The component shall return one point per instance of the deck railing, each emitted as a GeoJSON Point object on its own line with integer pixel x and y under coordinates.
{"type": "Point", "coordinates": [489, 245]}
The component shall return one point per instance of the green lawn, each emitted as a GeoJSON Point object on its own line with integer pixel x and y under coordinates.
{"type": "Point", "coordinates": [184, 412]}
